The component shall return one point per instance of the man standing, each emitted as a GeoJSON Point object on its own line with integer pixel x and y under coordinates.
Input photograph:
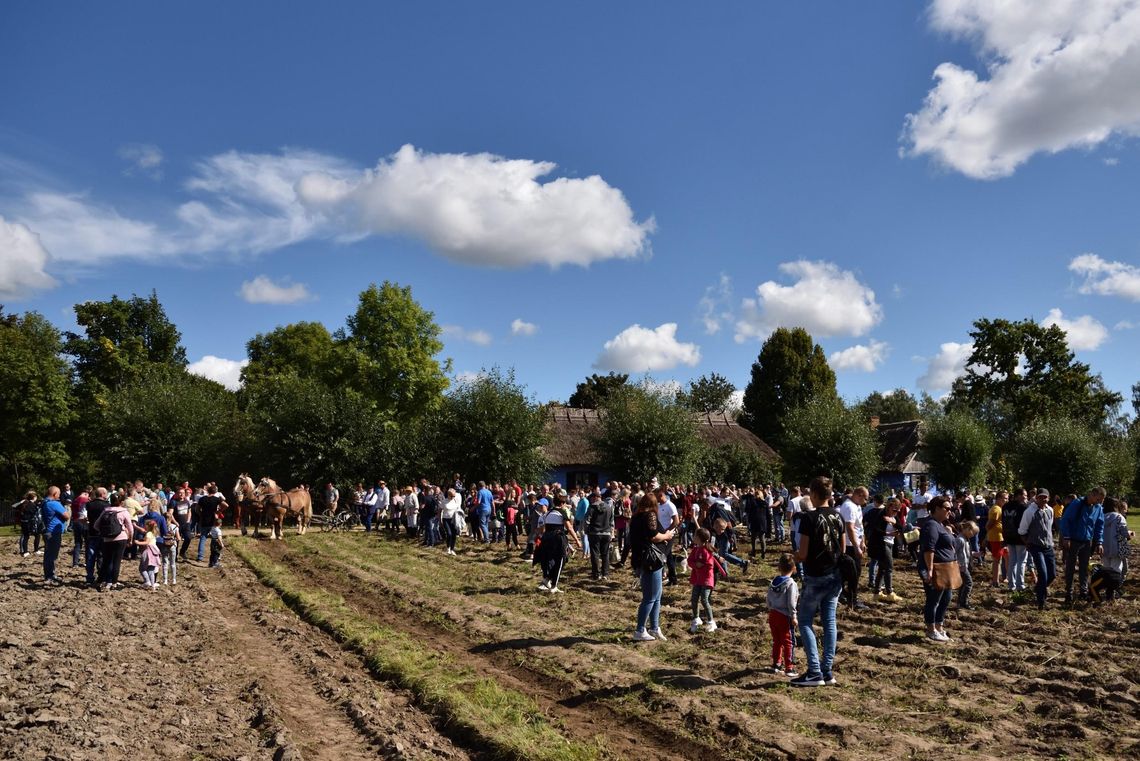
{"type": "Point", "coordinates": [599, 526]}
{"type": "Point", "coordinates": [55, 516]}
{"type": "Point", "coordinates": [1082, 529]}
{"type": "Point", "coordinates": [1011, 514]}
{"type": "Point", "coordinates": [95, 508]}
{"type": "Point", "coordinates": [180, 507]}
{"type": "Point", "coordinates": [383, 501]}
{"type": "Point", "coordinates": [758, 513]}
{"type": "Point", "coordinates": [820, 536]}
{"type": "Point", "coordinates": [852, 513]}
{"type": "Point", "coordinates": [332, 497]}
{"type": "Point", "coordinates": [667, 520]}
{"type": "Point", "coordinates": [208, 509]}
{"type": "Point", "coordinates": [486, 505]}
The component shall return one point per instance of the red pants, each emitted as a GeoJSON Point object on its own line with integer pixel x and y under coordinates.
{"type": "Point", "coordinates": [781, 627]}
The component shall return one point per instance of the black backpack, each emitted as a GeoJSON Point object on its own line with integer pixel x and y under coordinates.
{"type": "Point", "coordinates": [1011, 513]}
{"type": "Point", "coordinates": [108, 526]}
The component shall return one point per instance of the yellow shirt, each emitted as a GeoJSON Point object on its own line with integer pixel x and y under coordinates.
{"type": "Point", "coordinates": [993, 533]}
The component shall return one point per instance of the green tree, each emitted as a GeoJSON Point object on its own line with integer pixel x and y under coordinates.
{"type": "Point", "coordinates": [891, 407]}
{"type": "Point", "coordinates": [643, 434]}
{"type": "Point", "coordinates": [120, 339]}
{"type": "Point", "coordinates": [302, 348]}
{"type": "Point", "coordinates": [789, 371]}
{"type": "Point", "coordinates": [709, 393]}
{"type": "Point", "coordinates": [1059, 454]}
{"type": "Point", "coordinates": [929, 407]}
{"type": "Point", "coordinates": [1119, 452]}
{"type": "Point", "coordinates": [823, 437]}
{"type": "Point", "coordinates": [734, 464]}
{"type": "Point", "coordinates": [958, 448]}
{"type": "Point", "coordinates": [171, 426]}
{"type": "Point", "coordinates": [593, 392]}
{"type": "Point", "coordinates": [394, 363]}
{"type": "Point", "coordinates": [489, 429]}
{"type": "Point", "coordinates": [1020, 371]}
{"type": "Point", "coordinates": [35, 401]}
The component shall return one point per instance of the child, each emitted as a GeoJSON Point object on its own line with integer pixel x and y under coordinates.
{"type": "Point", "coordinates": [512, 518]}
{"type": "Point", "coordinates": [967, 530]}
{"type": "Point", "coordinates": [216, 546]}
{"type": "Point", "coordinates": [1116, 536]}
{"type": "Point", "coordinates": [148, 557]}
{"type": "Point", "coordinates": [169, 551]}
{"type": "Point", "coordinates": [702, 565]}
{"type": "Point", "coordinates": [783, 596]}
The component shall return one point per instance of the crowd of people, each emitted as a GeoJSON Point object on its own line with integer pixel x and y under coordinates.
{"type": "Point", "coordinates": [824, 539]}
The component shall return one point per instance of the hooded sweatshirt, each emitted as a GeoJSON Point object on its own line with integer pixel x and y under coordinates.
{"type": "Point", "coordinates": [783, 595]}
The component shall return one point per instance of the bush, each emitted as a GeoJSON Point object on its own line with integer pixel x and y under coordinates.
{"type": "Point", "coordinates": [1059, 454]}
{"type": "Point", "coordinates": [825, 438]}
{"type": "Point", "coordinates": [958, 449]}
{"type": "Point", "coordinates": [644, 434]}
{"type": "Point", "coordinates": [734, 464]}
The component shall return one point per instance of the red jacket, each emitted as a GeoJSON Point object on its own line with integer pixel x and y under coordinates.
{"type": "Point", "coordinates": [701, 564]}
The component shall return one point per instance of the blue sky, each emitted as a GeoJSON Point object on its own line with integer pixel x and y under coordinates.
{"type": "Point", "coordinates": [630, 186]}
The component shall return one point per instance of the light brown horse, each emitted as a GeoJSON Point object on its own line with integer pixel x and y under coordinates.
{"type": "Point", "coordinates": [248, 507]}
{"type": "Point", "coordinates": [279, 504]}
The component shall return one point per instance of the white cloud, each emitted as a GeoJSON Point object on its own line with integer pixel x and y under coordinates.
{"type": "Point", "coordinates": [666, 389]}
{"type": "Point", "coordinates": [736, 400]}
{"type": "Point", "coordinates": [469, 376]}
{"type": "Point", "coordinates": [79, 231]}
{"type": "Point", "coordinates": [946, 367]}
{"type": "Point", "coordinates": [480, 337]}
{"type": "Point", "coordinates": [1107, 278]}
{"type": "Point", "coordinates": [523, 328]}
{"type": "Point", "coordinates": [142, 158]}
{"type": "Point", "coordinates": [1124, 325]}
{"type": "Point", "coordinates": [224, 371]}
{"type": "Point", "coordinates": [483, 209]}
{"type": "Point", "coordinates": [1111, 161]}
{"type": "Point", "coordinates": [859, 357]}
{"type": "Point", "coordinates": [1058, 74]}
{"type": "Point", "coordinates": [22, 261]}
{"type": "Point", "coordinates": [637, 349]}
{"type": "Point", "coordinates": [713, 303]}
{"type": "Point", "coordinates": [824, 300]}
{"type": "Point", "coordinates": [1083, 334]}
{"type": "Point", "coordinates": [262, 290]}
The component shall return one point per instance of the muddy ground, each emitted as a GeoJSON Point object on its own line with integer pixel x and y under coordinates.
{"type": "Point", "coordinates": [220, 667]}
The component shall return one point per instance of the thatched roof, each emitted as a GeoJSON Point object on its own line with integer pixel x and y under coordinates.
{"type": "Point", "coordinates": [572, 429]}
{"type": "Point", "coordinates": [900, 444]}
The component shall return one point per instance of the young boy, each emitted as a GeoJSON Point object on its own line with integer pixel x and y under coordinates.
{"type": "Point", "coordinates": [966, 532]}
{"type": "Point", "coordinates": [783, 596]}
{"type": "Point", "coordinates": [216, 546]}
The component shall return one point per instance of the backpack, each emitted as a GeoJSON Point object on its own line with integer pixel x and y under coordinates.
{"type": "Point", "coordinates": [1011, 514]}
{"type": "Point", "coordinates": [108, 526]}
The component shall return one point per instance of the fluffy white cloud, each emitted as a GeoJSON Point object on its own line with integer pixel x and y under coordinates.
{"type": "Point", "coordinates": [824, 299]}
{"type": "Point", "coordinates": [142, 158]}
{"type": "Point", "coordinates": [523, 328]}
{"type": "Point", "coordinates": [1058, 74]}
{"type": "Point", "coordinates": [714, 302]}
{"type": "Point", "coordinates": [262, 290]}
{"type": "Point", "coordinates": [946, 367]}
{"type": "Point", "coordinates": [224, 371]}
{"type": "Point", "coordinates": [1107, 278]}
{"type": "Point", "coordinates": [859, 357]}
{"type": "Point", "coordinates": [637, 349]}
{"type": "Point", "coordinates": [483, 209]}
{"type": "Point", "coordinates": [22, 261]}
{"type": "Point", "coordinates": [459, 333]}
{"type": "Point", "coordinates": [1083, 334]}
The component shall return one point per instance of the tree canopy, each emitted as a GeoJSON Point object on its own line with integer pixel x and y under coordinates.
{"type": "Point", "coordinates": [593, 392]}
{"type": "Point", "coordinates": [891, 407]}
{"type": "Point", "coordinates": [790, 370]}
{"type": "Point", "coordinates": [822, 437]}
{"type": "Point", "coordinates": [645, 435]}
{"type": "Point", "coordinates": [302, 348]}
{"type": "Point", "coordinates": [708, 393]}
{"type": "Point", "coordinates": [958, 448]}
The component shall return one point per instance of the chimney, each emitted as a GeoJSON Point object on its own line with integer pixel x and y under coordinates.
{"type": "Point", "coordinates": [874, 422]}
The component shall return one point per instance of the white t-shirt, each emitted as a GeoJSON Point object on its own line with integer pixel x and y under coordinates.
{"type": "Point", "coordinates": [794, 505]}
{"type": "Point", "coordinates": [666, 513]}
{"type": "Point", "coordinates": [853, 514]}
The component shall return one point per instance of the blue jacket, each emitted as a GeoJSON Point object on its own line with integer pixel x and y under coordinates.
{"type": "Point", "coordinates": [1082, 522]}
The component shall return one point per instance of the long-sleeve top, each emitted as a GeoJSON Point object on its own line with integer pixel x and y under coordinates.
{"type": "Point", "coordinates": [1082, 522]}
{"type": "Point", "coordinates": [1037, 526]}
{"type": "Point", "coordinates": [1115, 540]}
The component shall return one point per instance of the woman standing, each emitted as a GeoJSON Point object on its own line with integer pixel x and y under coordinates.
{"type": "Point", "coordinates": [882, 533]}
{"type": "Point", "coordinates": [936, 548]}
{"type": "Point", "coordinates": [557, 525]}
{"type": "Point", "coordinates": [448, 514]}
{"type": "Point", "coordinates": [113, 548]}
{"type": "Point", "coordinates": [647, 547]}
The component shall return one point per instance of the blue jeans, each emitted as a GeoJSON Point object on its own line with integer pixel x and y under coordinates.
{"type": "Point", "coordinates": [52, 544]}
{"type": "Point", "coordinates": [1045, 563]}
{"type": "Point", "coordinates": [778, 522]}
{"type": "Point", "coordinates": [485, 526]}
{"type": "Point", "coordinates": [202, 538]}
{"type": "Point", "coordinates": [821, 594]}
{"type": "Point", "coordinates": [79, 550]}
{"type": "Point", "coordinates": [937, 601]}
{"type": "Point", "coordinates": [369, 516]}
{"type": "Point", "coordinates": [649, 611]}
{"type": "Point", "coordinates": [723, 542]}
{"type": "Point", "coordinates": [1017, 558]}
{"type": "Point", "coordinates": [94, 553]}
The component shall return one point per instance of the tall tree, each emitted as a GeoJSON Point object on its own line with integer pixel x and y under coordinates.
{"type": "Point", "coordinates": [891, 407]}
{"type": "Point", "coordinates": [1020, 371]}
{"type": "Point", "coordinates": [708, 393]}
{"type": "Point", "coordinates": [1059, 454]}
{"type": "Point", "coordinates": [790, 370]}
{"type": "Point", "coordinates": [824, 438]}
{"type": "Point", "coordinates": [120, 337]}
{"type": "Point", "coordinates": [35, 401]}
{"type": "Point", "coordinates": [302, 348]}
{"type": "Point", "coordinates": [593, 392]}
{"type": "Point", "coordinates": [644, 435]}
{"type": "Point", "coordinates": [958, 449]}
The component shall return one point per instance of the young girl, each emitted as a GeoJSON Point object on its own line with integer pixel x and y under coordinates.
{"type": "Point", "coordinates": [966, 531]}
{"type": "Point", "coordinates": [148, 556]}
{"type": "Point", "coordinates": [783, 596]}
{"type": "Point", "coordinates": [169, 550]}
{"type": "Point", "coordinates": [702, 566]}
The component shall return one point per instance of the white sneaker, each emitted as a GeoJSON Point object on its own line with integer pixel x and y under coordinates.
{"type": "Point", "coordinates": [643, 636]}
{"type": "Point", "coordinates": [27, 554]}
{"type": "Point", "coordinates": [711, 627]}
{"type": "Point", "coordinates": [695, 626]}
{"type": "Point", "coordinates": [544, 586]}
{"type": "Point", "coordinates": [555, 590]}
{"type": "Point", "coordinates": [658, 634]}
{"type": "Point", "coordinates": [39, 552]}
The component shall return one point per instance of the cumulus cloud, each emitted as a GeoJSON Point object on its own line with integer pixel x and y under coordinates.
{"type": "Point", "coordinates": [142, 158]}
{"type": "Point", "coordinates": [714, 302]}
{"type": "Point", "coordinates": [1083, 334]}
{"type": "Point", "coordinates": [23, 260]}
{"type": "Point", "coordinates": [1058, 74]}
{"type": "Point", "coordinates": [863, 358]}
{"type": "Point", "coordinates": [637, 349]}
{"type": "Point", "coordinates": [224, 371]}
{"type": "Point", "coordinates": [824, 300]}
{"type": "Point", "coordinates": [1106, 278]}
{"type": "Point", "coordinates": [262, 290]}
{"type": "Point", "coordinates": [946, 367]}
{"type": "Point", "coordinates": [459, 333]}
{"type": "Point", "coordinates": [483, 209]}
{"type": "Point", "coordinates": [521, 327]}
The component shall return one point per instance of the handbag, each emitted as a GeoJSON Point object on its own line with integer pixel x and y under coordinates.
{"type": "Point", "coordinates": [912, 536]}
{"type": "Point", "coordinates": [615, 554]}
{"type": "Point", "coordinates": [654, 558]}
{"type": "Point", "coordinates": [946, 576]}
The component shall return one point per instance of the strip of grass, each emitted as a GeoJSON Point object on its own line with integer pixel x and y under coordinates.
{"type": "Point", "coordinates": [509, 724]}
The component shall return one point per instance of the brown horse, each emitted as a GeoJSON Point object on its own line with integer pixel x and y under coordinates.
{"type": "Point", "coordinates": [279, 504]}
{"type": "Point", "coordinates": [248, 507]}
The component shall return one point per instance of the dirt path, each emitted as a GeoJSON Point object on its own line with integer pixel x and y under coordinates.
{"type": "Point", "coordinates": [212, 668]}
